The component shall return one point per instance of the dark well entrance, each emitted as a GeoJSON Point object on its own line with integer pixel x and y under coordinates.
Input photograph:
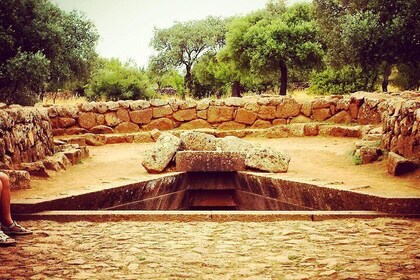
{"type": "Point", "coordinates": [231, 189]}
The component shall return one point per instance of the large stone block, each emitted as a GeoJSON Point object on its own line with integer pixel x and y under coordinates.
{"type": "Point", "coordinates": [267, 112]}
{"type": "Point", "coordinates": [156, 160]}
{"type": "Point", "coordinates": [66, 122]}
{"type": "Point", "coordinates": [127, 127]}
{"type": "Point", "coordinates": [141, 116]}
{"type": "Point", "coordinates": [163, 111]}
{"type": "Point", "coordinates": [288, 108]}
{"type": "Point", "coordinates": [321, 114]}
{"type": "Point", "coordinates": [123, 115]}
{"type": "Point", "coordinates": [398, 165]}
{"type": "Point", "coordinates": [209, 161]}
{"type": "Point", "coordinates": [19, 179]}
{"type": "Point", "coordinates": [220, 114]}
{"type": "Point", "coordinates": [87, 120]}
{"type": "Point", "coordinates": [267, 159]}
{"type": "Point", "coordinates": [160, 124]}
{"type": "Point", "coordinates": [111, 119]}
{"type": "Point", "coordinates": [245, 116]}
{"type": "Point", "coordinates": [197, 141]}
{"type": "Point", "coordinates": [185, 115]}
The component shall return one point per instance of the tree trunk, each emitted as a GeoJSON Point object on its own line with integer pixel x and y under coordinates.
{"type": "Point", "coordinates": [236, 89]}
{"type": "Point", "coordinates": [386, 74]}
{"type": "Point", "coordinates": [283, 78]}
{"type": "Point", "coordinates": [188, 80]}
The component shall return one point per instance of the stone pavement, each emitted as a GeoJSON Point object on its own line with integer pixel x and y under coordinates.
{"type": "Point", "coordinates": [334, 249]}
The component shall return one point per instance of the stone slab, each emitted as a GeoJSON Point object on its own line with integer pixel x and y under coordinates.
{"type": "Point", "coordinates": [203, 216]}
{"type": "Point", "coordinates": [209, 161]}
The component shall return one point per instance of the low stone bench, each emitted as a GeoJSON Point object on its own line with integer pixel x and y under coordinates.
{"type": "Point", "coordinates": [209, 161]}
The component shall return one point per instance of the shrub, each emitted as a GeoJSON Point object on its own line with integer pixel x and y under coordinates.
{"type": "Point", "coordinates": [116, 81]}
{"type": "Point", "coordinates": [342, 81]}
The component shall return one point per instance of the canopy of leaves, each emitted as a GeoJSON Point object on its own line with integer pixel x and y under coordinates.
{"type": "Point", "coordinates": [275, 39]}
{"type": "Point", "coordinates": [371, 34]}
{"type": "Point", "coordinates": [182, 44]}
{"type": "Point", "coordinates": [41, 46]}
{"type": "Point", "coordinates": [116, 81]}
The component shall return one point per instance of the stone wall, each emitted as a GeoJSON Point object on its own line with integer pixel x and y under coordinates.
{"type": "Point", "coordinates": [25, 136]}
{"type": "Point", "coordinates": [401, 128]}
{"type": "Point", "coordinates": [228, 114]}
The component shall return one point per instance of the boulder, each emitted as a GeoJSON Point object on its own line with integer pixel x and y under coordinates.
{"type": "Point", "coordinates": [127, 127]}
{"type": "Point", "coordinates": [267, 112]}
{"type": "Point", "coordinates": [141, 116]}
{"type": "Point", "coordinates": [245, 116]}
{"type": "Point", "coordinates": [35, 169]}
{"type": "Point", "coordinates": [162, 111]}
{"type": "Point", "coordinates": [197, 141]}
{"type": "Point", "coordinates": [261, 124]}
{"type": "Point", "coordinates": [398, 165]}
{"type": "Point", "coordinates": [220, 114]}
{"type": "Point", "coordinates": [123, 115]}
{"type": "Point", "coordinates": [160, 124]}
{"type": "Point", "coordinates": [288, 108]}
{"type": "Point", "coordinates": [369, 154]}
{"type": "Point", "coordinates": [19, 179]}
{"type": "Point", "coordinates": [87, 120]}
{"type": "Point", "coordinates": [185, 115]}
{"type": "Point", "coordinates": [66, 122]}
{"type": "Point", "coordinates": [233, 144]}
{"type": "Point", "coordinates": [267, 159]}
{"type": "Point", "coordinates": [156, 160]}
{"type": "Point", "coordinates": [111, 119]}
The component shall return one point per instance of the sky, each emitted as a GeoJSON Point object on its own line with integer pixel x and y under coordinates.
{"type": "Point", "coordinates": [126, 26]}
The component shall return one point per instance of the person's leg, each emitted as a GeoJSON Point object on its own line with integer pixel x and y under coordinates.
{"type": "Point", "coordinates": [6, 216]}
{"type": "Point", "coordinates": [4, 239]}
{"type": "Point", "coordinates": [8, 226]}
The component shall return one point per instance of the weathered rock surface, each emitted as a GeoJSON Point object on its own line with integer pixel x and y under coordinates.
{"type": "Point", "coordinates": [197, 141]}
{"type": "Point", "coordinates": [19, 179]}
{"type": "Point", "coordinates": [209, 161]}
{"type": "Point", "coordinates": [267, 159]}
{"type": "Point", "coordinates": [398, 165]}
{"type": "Point", "coordinates": [157, 160]}
{"type": "Point", "coordinates": [233, 144]}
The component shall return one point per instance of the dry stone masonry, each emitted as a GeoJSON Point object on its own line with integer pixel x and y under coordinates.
{"type": "Point", "coordinates": [228, 114]}
{"type": "Point", "coordinates": [25, 136]}
{"type": "Point", "coordinates": [27, 146]}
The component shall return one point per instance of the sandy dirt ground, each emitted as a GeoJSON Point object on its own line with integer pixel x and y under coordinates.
{"type": "Point", "coordinates": [315, 159]}
{"type": "Point", "coordinates": [344, 250]}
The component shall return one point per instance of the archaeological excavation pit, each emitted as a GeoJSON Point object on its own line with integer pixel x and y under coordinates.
{"type": "Point", "coordinates": [206, 182]}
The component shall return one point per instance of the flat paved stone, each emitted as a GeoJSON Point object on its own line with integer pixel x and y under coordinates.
{"type": "Point", "coordinates": [336, 249]}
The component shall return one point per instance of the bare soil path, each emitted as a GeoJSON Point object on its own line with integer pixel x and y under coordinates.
{"type": "Point", "coordinates": [313, 159]}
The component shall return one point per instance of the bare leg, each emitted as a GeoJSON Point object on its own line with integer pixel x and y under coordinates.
{"type": "Point", "coordinates": [6, 217]}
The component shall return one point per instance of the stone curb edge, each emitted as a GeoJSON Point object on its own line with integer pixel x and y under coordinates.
{"type": "Point", "coordinates": [205, 216]}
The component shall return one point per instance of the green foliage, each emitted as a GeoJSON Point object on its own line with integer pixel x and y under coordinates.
{"type": "Point", "coordinates": [408, 76]}
{"type": "Point", "coordinates": [182, 44]}
{"type": "Point", "coordinates": [116, 81]}
{"type": "Point", "coordinates": [275, 40]}
{"type": "Point", "coordinates": [342, 81]}
{"type": "Point", "coordinates": [42, 47]}
{"type": "Point", "coordinates": [173, 79]}
{"type": "Point", "coordinates": [374, 35]}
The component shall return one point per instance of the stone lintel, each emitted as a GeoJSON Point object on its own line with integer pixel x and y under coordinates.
{"type": "Point", "coordinates": [209, 161]}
